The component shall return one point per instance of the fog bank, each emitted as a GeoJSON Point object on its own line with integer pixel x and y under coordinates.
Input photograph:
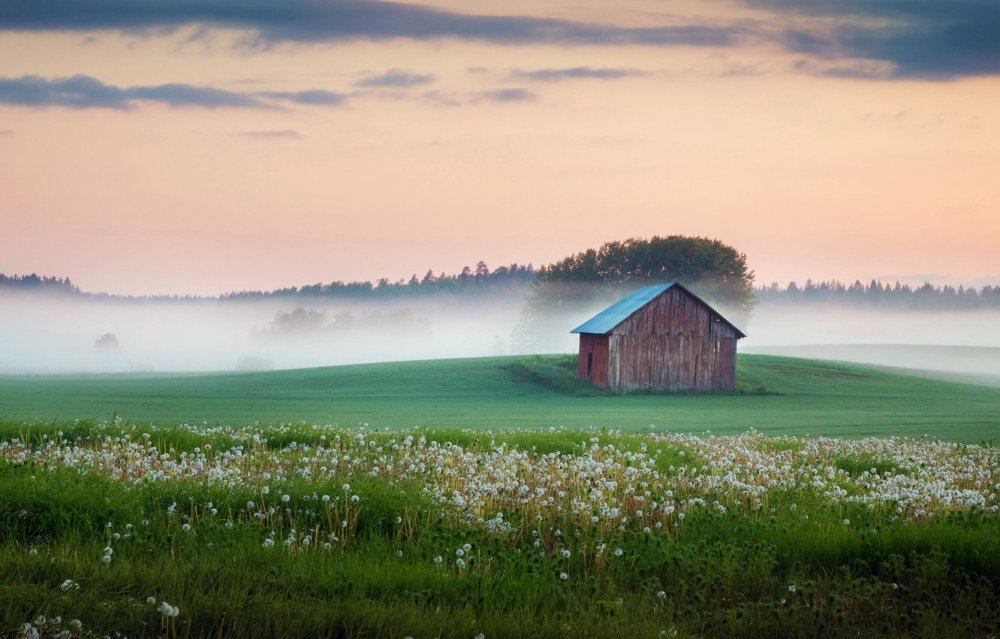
{"type": "Point", "coordinates": [956, 345]}
{"type": "Point", "coordinates": [42, 333]}
{"type": "Point", "coordinates": [63, 334]}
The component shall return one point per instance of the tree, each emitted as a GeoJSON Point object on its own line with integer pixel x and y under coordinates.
{"type": "Point", "coordinates": [713, 270]}
{"type": "Point", "coordinates": [711, 267]}
{"type": "Point", "coordinates": [107, 342]}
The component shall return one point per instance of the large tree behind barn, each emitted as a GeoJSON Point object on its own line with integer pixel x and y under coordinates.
{"type": "Point", "coordinates": [661, 337]}
{"type": "Point", "coordinates": [591, 279]}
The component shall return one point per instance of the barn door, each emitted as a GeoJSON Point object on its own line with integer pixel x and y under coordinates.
{"type": "Point", "coordinates": [590, 364]}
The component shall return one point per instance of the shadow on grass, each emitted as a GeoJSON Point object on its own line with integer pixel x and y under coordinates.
{"type": "Point", "coordinates": [558, 373]}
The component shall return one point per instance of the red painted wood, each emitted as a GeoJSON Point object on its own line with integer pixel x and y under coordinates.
{"type": "Point", "coordinates": [676, 342]}
{"type": "Point", "coordinates": [596, 346]}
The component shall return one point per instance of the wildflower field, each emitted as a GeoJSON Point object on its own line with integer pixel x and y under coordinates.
{"type": "Point", "coordinates": [230, 528]}
{"type": "Point", "coordinates": [301, 530]}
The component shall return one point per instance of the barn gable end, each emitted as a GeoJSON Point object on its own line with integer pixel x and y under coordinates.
{"type": "Point", "coordinates": [661, 337]}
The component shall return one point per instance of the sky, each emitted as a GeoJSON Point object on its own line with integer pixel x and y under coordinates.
{"type": "Point", "coordinates": [200, 147]}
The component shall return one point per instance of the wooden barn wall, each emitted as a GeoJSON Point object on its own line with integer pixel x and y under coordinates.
{"type": "Point", "coordinates": [673, 343]}
{"type": "Point", "coordinates": [597, 345]}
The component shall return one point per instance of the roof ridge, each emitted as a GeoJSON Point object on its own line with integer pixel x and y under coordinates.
{"type": "Point", "coordinates": [606, 321]}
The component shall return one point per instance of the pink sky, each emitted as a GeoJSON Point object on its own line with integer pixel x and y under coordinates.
{"type": "Point", "coordinates": [437, 151]}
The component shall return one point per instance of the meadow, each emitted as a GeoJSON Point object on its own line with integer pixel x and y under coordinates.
{"type": "Point", "coordinates": [801, 397]}
{"type": "Point", "coordinates": [503, 502]}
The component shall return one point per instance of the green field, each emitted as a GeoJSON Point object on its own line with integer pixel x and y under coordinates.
{"type": "Point", "coordinates": [810, 397]}
{"type": "Point", "coordinates": [477, 515]}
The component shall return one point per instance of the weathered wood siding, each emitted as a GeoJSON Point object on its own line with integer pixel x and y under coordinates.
{"type": "Point", "coordinates": [673, 343]}
{"type": "Point", "coordinates": [593, 348]}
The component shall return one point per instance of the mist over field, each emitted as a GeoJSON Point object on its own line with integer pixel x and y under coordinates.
{"type": "Point", "coordinates": [959, 345]}
{"type": "Point", "coordinates": [44, 333]}
{"type": "Point", "coordinates": [58, 334]}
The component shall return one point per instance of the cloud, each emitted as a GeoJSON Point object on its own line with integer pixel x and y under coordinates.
{"type": "Point", "coordinates": [513, 94]}
{"type": "Point", "coordinates": [188, 95]}
{"type": "Point", "coordinates": [312, 97]}
{"type": "Point", "coordinates": [339, 20]}
{"type": "Point", "coordinates": [441, 98]}
{"type": "Point", "coordinates": [85, 92]}
{"type": "Point", "coordinates": [929, 39]}
{"type": "Point", "coordinates": [575, 73]}
{"type": "Point", "coordinates": [285, 134]}
{"type": "Point", "coordinates": [920, 39]}
{"type": "Point", "coordinates": [81, 92]}
{"type": "Point", "coordinates": [396, 79]}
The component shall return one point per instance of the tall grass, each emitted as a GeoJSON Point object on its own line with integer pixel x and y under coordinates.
{"type": "Point", "coordinates": [798, 566]}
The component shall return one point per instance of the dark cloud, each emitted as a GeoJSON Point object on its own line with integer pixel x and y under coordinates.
{"type": "Point", "coordinates": [396, 79]}
{"type": "Point", "coordinates": [935, 39]}
{"type": "Point", "coordinates": [513, 94]}
{"type": "Point", "coordinates": [85, 92]}
{"type": "Point", "coordinates": [338, 20]}
{"type": "Point", "coordinates": [280, 134]}
{"type": "Point", "coordinates": [82, 92]}
{"type": "Point", "coordinates": [188, 95]}
{"type": "Point", "coordinates": [575, 73]}
{"type": "Point", "coordinates": [925, 39]}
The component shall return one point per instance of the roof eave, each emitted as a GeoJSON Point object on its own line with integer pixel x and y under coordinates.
{"type": "Point", "coordinates": [739, 334]}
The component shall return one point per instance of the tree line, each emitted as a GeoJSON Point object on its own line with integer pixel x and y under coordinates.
{"type": "Point", "coordinates": [478, 280]}
{"type": "Point", "coordinates": [37, 282]}
{"type": "Point", "coordinates": [716, 270]}
{"type": "Point", "coordinates": [877, 294]}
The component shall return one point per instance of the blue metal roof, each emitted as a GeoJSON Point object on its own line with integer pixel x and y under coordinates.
{"type": "Point", "coordinates": [612, 316]}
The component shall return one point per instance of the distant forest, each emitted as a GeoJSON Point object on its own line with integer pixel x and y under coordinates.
{"type": "Point", "coordinates": [877, 294]}
{"type": "Point", "coordinates": [37, 282]}
{"type": "Point", "coordinates": [480, 280]}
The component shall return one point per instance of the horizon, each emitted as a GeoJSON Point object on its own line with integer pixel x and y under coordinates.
{"type": "Point", "coordinates": [912, 281]}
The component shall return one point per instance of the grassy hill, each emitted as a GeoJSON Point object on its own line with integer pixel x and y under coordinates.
{"type": "Point", "coordinates": [969, 364]}
{"type": "Point", "coordinates": [810, 397]}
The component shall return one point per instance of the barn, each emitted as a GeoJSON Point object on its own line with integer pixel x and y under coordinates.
{"type": "Point", "coordinates": [661, 337]}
